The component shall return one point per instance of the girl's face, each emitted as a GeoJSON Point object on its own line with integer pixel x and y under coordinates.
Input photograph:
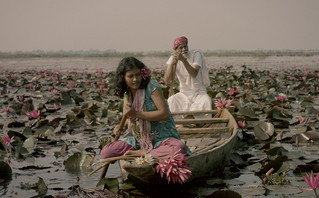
{"type": "Point", "coordinates": [133, 79]}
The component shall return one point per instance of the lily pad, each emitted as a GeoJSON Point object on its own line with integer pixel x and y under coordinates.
{"type": "Point", "coordinates": [283, 190]}
{"type": "Point", "coordinates": [225, 194]}
{"type": "Point", "coordinates": [248, 112]}
{"type": "Point", "coordinates": [77, 161]}
{"type": "Point", "coordinates": [29, 144]}
{"type": "Point", "coordinates": [264, 130]}
{"type": "Point", "coordinates": [5, 170]}
{"type": "Point", "coordinates": [40, 186]}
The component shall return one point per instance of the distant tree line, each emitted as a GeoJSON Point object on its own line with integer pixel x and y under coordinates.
{"type": "Point", "coordinates": [114, 53]}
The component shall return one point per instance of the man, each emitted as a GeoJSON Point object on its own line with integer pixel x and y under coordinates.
{"type": "Point", "coordinates": [193, 78]}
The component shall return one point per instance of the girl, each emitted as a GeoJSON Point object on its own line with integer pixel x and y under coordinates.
{"type": "Point", "coordinates": [150, 122]}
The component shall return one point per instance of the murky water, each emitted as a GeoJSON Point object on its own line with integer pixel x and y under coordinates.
{"type": "Point", "coordinates": [59, 180]}
{"type": "Point", "coordinates": [110, 63]}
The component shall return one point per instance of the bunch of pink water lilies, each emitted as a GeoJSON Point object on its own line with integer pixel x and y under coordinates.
{"type": "Point", "coordinates": [175, 168]}
{"type": "Point", "coordinates": [313, 183]}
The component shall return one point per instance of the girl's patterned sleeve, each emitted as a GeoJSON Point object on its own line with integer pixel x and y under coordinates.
{"type": "Point", "coordinates": [153, 85]}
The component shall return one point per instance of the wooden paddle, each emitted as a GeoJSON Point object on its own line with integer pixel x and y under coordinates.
{"type": "Point", "coordinates": [171, 89]}
{"type": "Point", "coordinates": [122, 123]}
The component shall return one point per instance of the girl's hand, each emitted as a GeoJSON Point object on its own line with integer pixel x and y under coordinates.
{"type": "Point", "coordinates": [132, 113]}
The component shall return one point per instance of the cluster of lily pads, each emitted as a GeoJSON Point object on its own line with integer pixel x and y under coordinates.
{"type": "Point", "coordinates": [273, 109]}
{"type": "Point", "coordinates": [278, 116]}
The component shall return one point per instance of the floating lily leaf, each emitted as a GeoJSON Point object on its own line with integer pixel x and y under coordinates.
{"type": "Point", "coordinates": [5, 170]}
{"type": "Point", "coordinates": [276, 164]}
{"type": "Point", "coordinates": [295, 154]}
{"type": "Point", "coordinates": [237, 159]}
{"type": "Point", "coordinates": [275, 151]}
{"type": "Point", "coordinates": [16, 124]}
{"type": "Point", "coordinates": [202, 191]}
{"type": "Point", "coordinates": [3, 146]}
{"type": "Point", "coordinates": [264, 130]}
{"type": "Point", "coordinates": [253, 189]}
{"type": "Point", "coordinates": [299, 130]}
{"type": "Point", "coordinates": [214, 181]}
{"type": "Point", "coordinates": [254, 167]}
{"type": "Point", "coordinates": [111, 184]}
{"type": "Point", "coordinates": [248, 112]}
{"type": "Point", "coordinates": [66, 98]}
{"type": "Point", "coordinates": [27, 131]}
{"type": "Point", "coordinates": [29, 144]}
{"type": "Point", "coordinates": [285, 167]}
{"type": "Point", "coordinates": [313, 135]}
{"type": "Point", "coordinates": [225, 194]}
{"type": "Point", "coordinates": [43, 129]}
{"type": "Point", "coordinates": [307, 168]}
{"type": "Point", "coordinates": [40, 186]}
{"type": "Point", "coordinates": [77, 161]}
{"type": "Point", "coordinates": [104, 113]}
{"type": "Point", "coordinates": [282, 189]}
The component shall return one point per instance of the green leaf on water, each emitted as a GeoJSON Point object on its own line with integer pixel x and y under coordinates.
{"type": "Point", "coordinates": [5, 170]}
{"type": "Point", "coordinates": [225, 194]}
{"type": "Point", "coordinates": [248, 112]}
{"type": "Point", "coordinates": [282, 189]}
{"type": "Point", "coordinates": [254, 167]}
{"type": "Point", "coordinates": [264, 130]}
{"type": "Point", "coordinates": [40, 186]}
{"type": "Point", "coordinates": [111, 184]}
{"type": "Point", "coordinates": [29, 144]}
{"type": "Point", "coordinates": [77, 161]}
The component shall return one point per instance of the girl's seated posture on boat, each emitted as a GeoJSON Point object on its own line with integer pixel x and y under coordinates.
{"type": "Point", "coordinates": [149, 121]}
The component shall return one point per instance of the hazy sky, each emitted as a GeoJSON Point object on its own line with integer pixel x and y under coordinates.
{"type": "Point", "coordinates": [143, 25]}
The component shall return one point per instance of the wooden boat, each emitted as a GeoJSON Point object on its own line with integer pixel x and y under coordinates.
{"type": "Point", "coordinates": [211, 146]}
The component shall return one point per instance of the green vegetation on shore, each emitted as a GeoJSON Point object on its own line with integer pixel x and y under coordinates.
{"type": "Point", "coordinates": [113, 53]}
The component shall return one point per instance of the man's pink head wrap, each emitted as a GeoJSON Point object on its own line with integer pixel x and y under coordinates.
{"type": "Point", "coordinates": [180, 41]}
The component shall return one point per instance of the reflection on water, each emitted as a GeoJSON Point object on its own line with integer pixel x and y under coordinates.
{"type": "Point", "coordinates": [90, 64]}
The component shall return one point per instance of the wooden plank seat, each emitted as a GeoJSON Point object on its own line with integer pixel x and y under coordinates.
{"type": "Point", "coordinates": [195, 112]}
{"type": "Point", "coordinates": [187, 131]}
{"type": "Point", "coordinates": [202, 121]}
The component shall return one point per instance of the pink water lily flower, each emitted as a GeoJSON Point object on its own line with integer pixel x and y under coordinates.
{"type": "Point", "coordinates": [20, 98]}
{"type": "Point", "coordinates": [55, 91]}
{"type": "Point", "coordinates": [231, 91]}
{"type": "Point", "coordinates": [223, 103]}
{"type": "Point", "coordinates": [7, 140]}
{"type": "Point", "coordinates": [281, 98]}
{"type": "Point", "coordinates": [71, 84]}
{"type": "Point", "coordinates": [5, 110]}
{"type": "Point", "coordinates": [175, 168]}
{"type": "Point", "coordinates": [241, 124]}
{"type": "Point", "coordinates": [313, 183]}
{"type": "Point", "coordinates": [302, 120]}
{"type": "Point", "coordinates": [34, 114]}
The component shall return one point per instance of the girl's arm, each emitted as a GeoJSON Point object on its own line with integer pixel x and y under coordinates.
{"type": "Point", "coordinates": [162, 112]}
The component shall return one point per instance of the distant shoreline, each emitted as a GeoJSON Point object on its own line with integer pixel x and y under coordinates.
{"type": "Point", "coordinates": [113, 53]}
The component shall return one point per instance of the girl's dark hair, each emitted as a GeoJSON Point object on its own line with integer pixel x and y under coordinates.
{"type": "Point", "coordinates": [125, 65]}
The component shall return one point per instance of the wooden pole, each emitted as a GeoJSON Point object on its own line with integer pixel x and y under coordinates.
{"type": "Point", "coordinates": [122, 123]}
{"type": "Point", "coordinates": [171, 89]}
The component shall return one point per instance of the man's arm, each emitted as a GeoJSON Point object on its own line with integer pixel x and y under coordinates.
{"type": "Point", "coordinates": [191, 69]}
